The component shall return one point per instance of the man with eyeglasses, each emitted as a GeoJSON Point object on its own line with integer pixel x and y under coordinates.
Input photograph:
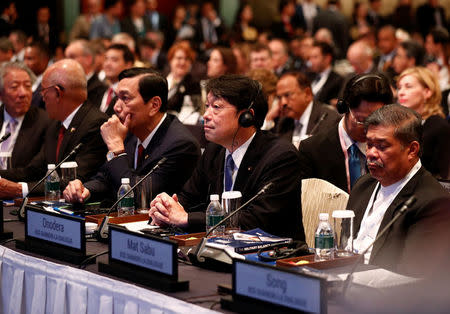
{"type": "Point", "coordinates": [242, 158]}
{"type": "Point", "coordinates": [298, 115]}
{"type": "Point", "coordinates": [64, 92]}
{"type": "Point", "coordinates": [337, 154]}
{"type": "Point", "coordinates": [25, 124]}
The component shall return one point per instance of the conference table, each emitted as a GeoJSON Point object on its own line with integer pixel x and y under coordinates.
{"type": "Point", "coordinates": [31, 283]}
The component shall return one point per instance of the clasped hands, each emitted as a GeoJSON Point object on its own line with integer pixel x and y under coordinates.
{"type": "Point", "coordinates": [166, 210]}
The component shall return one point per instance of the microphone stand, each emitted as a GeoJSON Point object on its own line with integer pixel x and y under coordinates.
{"type": "Point", "coordinates": [102, 231]}
{"type": "Point", "coordinates": [402, 210]}
{"type": "Point", "coordinates": [25, 200]}
{"type": "Point", "coordinates": [202, 243]}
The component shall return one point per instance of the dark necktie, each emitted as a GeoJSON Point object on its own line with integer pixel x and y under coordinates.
{"type": "Point", "coordinates": [140, 155]}
{"type": "Point", "coordinates": [354, 164]}
{"type": "Point", "coordinates": [62, 130]}
{"type": "Point", "coordinates": [229, 168]}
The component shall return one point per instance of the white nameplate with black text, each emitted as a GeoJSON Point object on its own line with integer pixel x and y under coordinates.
{"type": "Point", "coordinates": [280, 287]}
{"type": "Point", "coordinates": [142, 250]}
{"type": "Point", "coordinates": [59, 229]}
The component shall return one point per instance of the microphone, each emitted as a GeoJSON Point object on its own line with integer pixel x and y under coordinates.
{"type": "Point", "coordinates": [25, 200]}
{"type": "Point", "coordinates": [5, 137]}
{"type": "Point", "coordinates": [322, 117]}
{"type": "Point", "coordinates": [202, 243]}
{"type": "Point", "coordinates": [102, 231]}
{"type": "Point", "coordinates": [399, 213]}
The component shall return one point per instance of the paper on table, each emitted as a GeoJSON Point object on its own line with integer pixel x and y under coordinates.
{"type": "Point", "coordinates": [379, 278]}
{"type": "Point", "coordinates": [138, 225]}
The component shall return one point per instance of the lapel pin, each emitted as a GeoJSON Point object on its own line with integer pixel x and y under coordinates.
{"type": "Point", "coordinates": [72, 130]}
{"type": "Point", "coordinates": [146, 156]}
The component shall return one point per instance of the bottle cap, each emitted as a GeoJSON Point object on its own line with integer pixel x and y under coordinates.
{"type": "Point", "coordinates": [125, 181]}
{"type": "Point", "coordinates": [343, 214]}
{"type": "Point", "coordinates": [51, 166]}
{"type": "Point", "coordinates": [323, 216]}
{"type": "Point", "coordinates": [214, 197]}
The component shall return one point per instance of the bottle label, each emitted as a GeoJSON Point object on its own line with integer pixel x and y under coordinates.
{"type": "Point", "coordinates": [324, 242]}
{"type": "Point", "coordinates": [52, 186]}
{"type": "Point", "coordinates": [214, 220]}
{"type": "Point", "coordinates": [127, 202]}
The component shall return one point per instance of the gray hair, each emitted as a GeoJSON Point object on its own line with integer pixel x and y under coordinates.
{"type": "Point", "coordinates": [407, 123]}
{"type": "Point", "coordinates": [5, 67]}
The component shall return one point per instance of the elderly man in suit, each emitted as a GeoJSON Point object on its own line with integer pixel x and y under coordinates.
{"type": "Point", "coordinates": [396, 174]}
{"type": "Point", "coordinates": [298, 115]}
{"type": "Point", "coordinates": [26, 124]}
{"type": "Point", "coordinates": [64, 92]}
{"type": "Point", "coordinates": [240, 157]}
{"type": "Point", "coordinates": [137, 137]}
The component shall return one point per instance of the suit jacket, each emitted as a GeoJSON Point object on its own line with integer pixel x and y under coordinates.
{"type": "Point", "coordinates": [267, 159]}
{"type": "Point", "coordinates": [187, 86]}
{"type": "Point", "coordinates": [127, 26]}
{"type": "Point", "coordinates": [36, 99]}
{"type": "Point", "coordinates": [84, 128]}
{"type": "Point", "coordinates": [321, 156]}
{"type": "Point", "coordinates": [337, 23]}
{"type": "Point", "coordinates": [413, 232]}
{"type": "Point", "coordinates": [436, 146]}
{"type": "Point", "coordinates": [330, 89]}
{"type": "Point", "coordinates": [31, 136]}
{"type": "Point", "coordinates": [172, 140]}
{"type": "Point", "coordinates": [284, 127]}
{"type": "Point", "coordinates": [95, 89]}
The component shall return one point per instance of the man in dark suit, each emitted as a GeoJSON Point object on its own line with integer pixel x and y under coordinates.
{"type": "Point", "coordinates": [430, 15]}
{"type": "Point", "coordinates": [325, 83]}
{"type": "Point", "coordinates": [82, 51]}
{"type": "Point", "coordinates": [26, 124]}
{"type": "Point", "coordinates": [64, 92]}
{"type": "Point", "coordinates": [36, 57]}
{"type": "Point", "coordinates": [298, 115]}
{"type": "Point", "coordinates": [141, 110]}
{"type": "Point", "coordinates": [240, 157]}
{"type": "Point", "coordinates": [327, 155]}
{"type": "Point", "coordinates": [396, 174]}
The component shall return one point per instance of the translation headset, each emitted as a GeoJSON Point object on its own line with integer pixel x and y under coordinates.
{"type": "Point", "coordinates": [247, 118]}
{"type": "Point", "coordinates": [343, 105]}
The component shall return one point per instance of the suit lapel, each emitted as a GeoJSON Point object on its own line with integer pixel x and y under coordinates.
{"type": "Point", "coordinates": [69, 135]}
{"type": "Point", "coordinates": [248, 163]}
{"type": "Point", "coordinates": [130, 148]}
{"type": "Point", "coordinates": [364, 201]}
{"type": "Point", "coordinates": [314, 117]}
{"type": "Point", "coordinates": [21, 140]}
{"type": "Point", "coordinates": [404, 194]}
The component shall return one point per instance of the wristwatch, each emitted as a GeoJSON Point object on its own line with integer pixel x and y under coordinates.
{"type": "Point", "coordinates": [110, 155]}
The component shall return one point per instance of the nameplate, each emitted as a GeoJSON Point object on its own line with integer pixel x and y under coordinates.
{"type": "Point", "coordinates": [62, 230]}
{"type": "Point", "coordinates": [281, 287]}
{"type": "Point", "coordinates": [143, 250]}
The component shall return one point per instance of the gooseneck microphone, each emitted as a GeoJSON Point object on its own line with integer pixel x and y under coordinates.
{"type": "Point", "coordinates": [399, 213]}
{"type": "Point", "coordinates": [5, 137]}
{"type": "Point", "coordinates": [322, 117]}
{"type": "Point", "coordinates": [202, 243]}
{"type": "Point", "coordinates": [25, 200]}
{"type": "Point", "coordinates": [102, 231]}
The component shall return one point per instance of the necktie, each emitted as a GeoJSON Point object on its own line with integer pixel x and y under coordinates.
{"type": "Point", "coordinates": [62, 129]}
{"type": "Point", "coordinates": [297, 128]}
{"type": "Point", "coordinates": [229, 168]}
{"type": "Point", "coordinates": [317, 79]}
{"type": "Point", "coordinates": [140, 156]}
{"type": "Point", "coordinates": [109, 98]}
{"type": "Point", "coordinates": [354, 164]}
{"type": "Point", "coordinates": [5, 146]}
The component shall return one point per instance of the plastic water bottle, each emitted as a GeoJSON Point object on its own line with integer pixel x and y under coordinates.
{"type": "Point", "coordinates": [52, 188]}
{"type": "Point", "coordinates": [324, 239]}
{"type": "Point", "coordinates": [125, 206]}
{"type": "Point", "coordinates": [214, 214]}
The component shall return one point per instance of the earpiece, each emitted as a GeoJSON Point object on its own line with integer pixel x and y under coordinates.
{"type": "Point", "coordinates": [247, 118]}
{"type": "Point", "coordinates": [342, 105]}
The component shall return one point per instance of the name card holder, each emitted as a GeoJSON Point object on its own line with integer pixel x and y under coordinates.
{"type": "Point", "coordinates": [4, 235]}
{"type": "Point", "coordinates": [58, 236]}
{"type": "Point", "coordinates": [261, 288]}
{"type": "Point", "coordinates": [143, 258]}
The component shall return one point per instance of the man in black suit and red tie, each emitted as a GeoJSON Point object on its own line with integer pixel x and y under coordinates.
{"type": "Point", "coordinates": [417, 243]}
{"type": "Point", "coordinates": [137, 137]}
{"type": "Point", "coordinates": [64, 92]}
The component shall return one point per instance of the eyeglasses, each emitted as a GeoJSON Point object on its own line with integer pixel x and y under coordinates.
{"type": "Point", "coordinates": [356, 120]}
{"type": "Point", "coordinates": [56, 86]}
